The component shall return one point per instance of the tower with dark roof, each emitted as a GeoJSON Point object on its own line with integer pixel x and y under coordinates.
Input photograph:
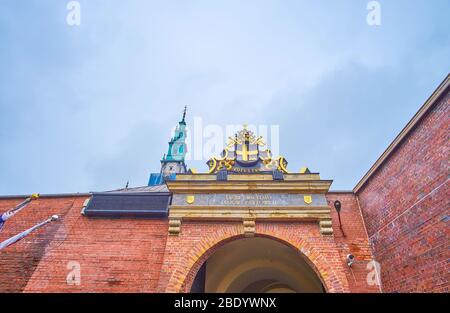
{"type": "Point", "coordinates": [173, 163]}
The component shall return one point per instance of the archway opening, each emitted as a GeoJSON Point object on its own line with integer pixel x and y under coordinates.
{"type": "Point", "coordinates": [259, 265]}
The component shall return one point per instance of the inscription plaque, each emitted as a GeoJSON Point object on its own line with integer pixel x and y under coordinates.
{"type": "Point", "coordinates": [253, 200]}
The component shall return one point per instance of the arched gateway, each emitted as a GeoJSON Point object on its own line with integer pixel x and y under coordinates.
{"type": "Point", "coordinates": [249, 225]}
{"type": "Point", "coordinates": [257, 264]}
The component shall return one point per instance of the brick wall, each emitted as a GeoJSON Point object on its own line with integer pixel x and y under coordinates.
{"type": "Point", "coordinates": [114, 254]}
{"type": "Point", "coordinates": [197, 241]}
{"type": "Point", "coordinates": [405, 204]}
{"type": "Point", "coordinates": [352, 239]}
{"type": "Point", "coordinates": [19, 261]}
{"type": "Point", "coordinates": [131, 255]}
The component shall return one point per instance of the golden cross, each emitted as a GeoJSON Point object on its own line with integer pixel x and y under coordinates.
{"type": "Point", "coordinates": [245, 152]}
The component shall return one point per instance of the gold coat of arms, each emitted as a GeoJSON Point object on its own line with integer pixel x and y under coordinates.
{"type": "Point", "coordinates": [307, 199]}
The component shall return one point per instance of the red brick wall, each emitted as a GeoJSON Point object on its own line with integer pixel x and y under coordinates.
{"type": "Point", "coordinates": [114, 254]}
{"type": "Point", "coordinates": [130, 255]}
{"type": "Point", "coordinates": [327, 254]}
{"type": "Point", "coordinates": [352, 239]}
{"type": "Point", "coordinates": [19, 261]}
{"type": "Point", "coordinates": [406, 204]}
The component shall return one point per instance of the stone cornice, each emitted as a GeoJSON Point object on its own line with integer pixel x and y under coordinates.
{"type": "Point", "coordinates": [247, 177]}
{"type": "Point", "coordinates": [308, 186]}
{"type": "Point", "coordinates": [296, 210]}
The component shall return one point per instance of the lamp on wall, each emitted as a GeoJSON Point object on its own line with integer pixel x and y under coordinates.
{"type": "Point", "coordinates": [350, 260]}
{"type": "Point", "coordinates": [337, 206]}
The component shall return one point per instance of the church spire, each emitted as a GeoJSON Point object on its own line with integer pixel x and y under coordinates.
{"type": "Point", "coordinates": [177, 145]}
{"type": "Point", "coordinates": [172, 163]}
{"type": "Point", "coordinates": [184, 114]}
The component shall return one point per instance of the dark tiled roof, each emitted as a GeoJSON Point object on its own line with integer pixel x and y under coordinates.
{"type": "Point", "coordinates": [146, 201]}
{"type": "Point", "coordinates": [157, 188]}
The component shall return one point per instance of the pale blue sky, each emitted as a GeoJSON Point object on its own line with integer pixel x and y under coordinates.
{"type": "Point", "coordinates": [87, 108]}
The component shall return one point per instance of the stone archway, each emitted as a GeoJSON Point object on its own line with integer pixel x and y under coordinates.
{"type": "Point", "coordinates": [179, 273]}
{"type": "Point", "coordinates": [257, 265]}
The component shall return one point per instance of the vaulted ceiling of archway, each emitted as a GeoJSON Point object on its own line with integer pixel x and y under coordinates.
{"type": "Point", "coordinates": [259, 265]}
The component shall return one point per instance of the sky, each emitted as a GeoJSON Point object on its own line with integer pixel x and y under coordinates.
{"type": "Point", "coordinates": [89, 107]}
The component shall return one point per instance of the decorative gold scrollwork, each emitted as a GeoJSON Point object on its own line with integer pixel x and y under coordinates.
{"type": "Point", "coordinates": [239, 145]}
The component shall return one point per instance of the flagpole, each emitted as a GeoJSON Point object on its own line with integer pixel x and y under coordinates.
{"type": "Point", "coordinates": [24, 203]}
{"type": "Point", "coordinates": [10, 213]}
{"type": "Point", "coordinates": [23, 234]}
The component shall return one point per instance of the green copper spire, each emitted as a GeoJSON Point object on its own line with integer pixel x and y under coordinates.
{"type": "Point", "coordinates": [184, 114]}
{"type": "Point", "coordinates": [177, 145]}
{"type": "Point", "coordinates": [172, 163]}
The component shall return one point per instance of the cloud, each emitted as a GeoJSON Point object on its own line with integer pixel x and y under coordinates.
{"type": "Point", "coordinates": [89, 107]}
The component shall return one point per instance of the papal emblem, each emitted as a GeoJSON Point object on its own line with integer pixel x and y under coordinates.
{"type": "Point", "coordinates": [246, 153]}
{"type": "Point", "coordinates": [190, 199]}
{"type": "Point", "coordinates": [307, 199]}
